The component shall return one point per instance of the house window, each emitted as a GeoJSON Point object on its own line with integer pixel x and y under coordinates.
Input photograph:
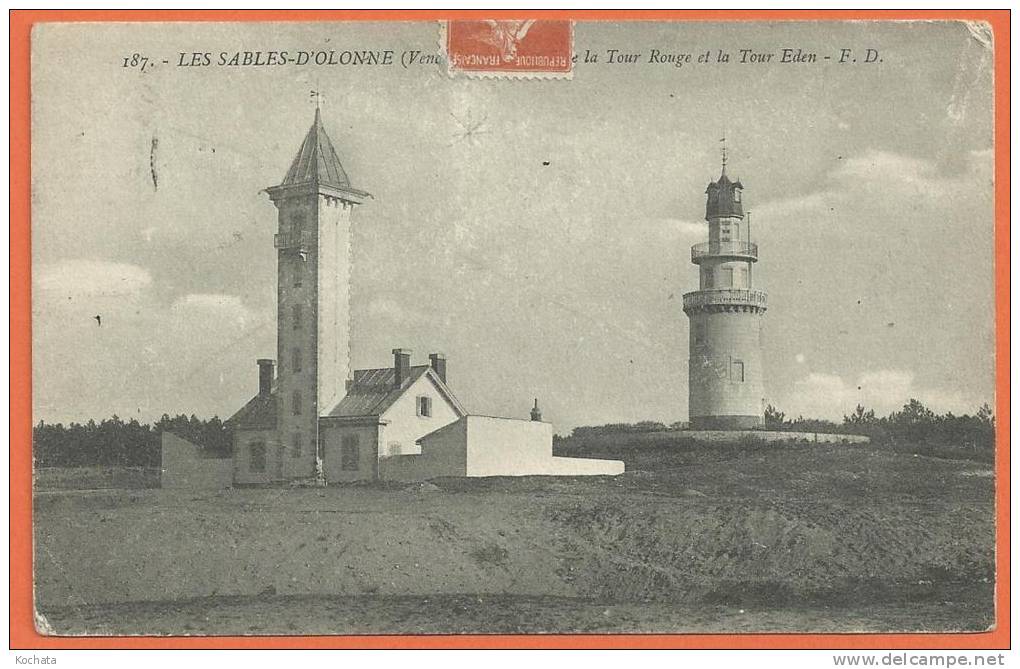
{"type": "Point", "coordinates": [295, 450]}
{"type": "Point", "coordinates": [257, 456]}
{"type": "Point", "coordinates": [296, 360]}
{"type": "Point", "coordinates": [737, 371]}
{"type": "Point", "coordinates": [393, 448]}
{"type": "Point", "coordinates": [349, 455]}
{"type": "Point", "coordinates": [425, 406]}
{"type": "Point", "coordinates": [736, 195]}
{"type": "Point", "coordinates": [296, 403]}
{"type": "Point", "coordinates": [297, 316]}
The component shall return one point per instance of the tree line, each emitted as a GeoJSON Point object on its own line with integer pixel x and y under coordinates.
{"type": "Point", "coordinates": [914, 423]}
{"type": "Point", "coordinates": [116, 442]}
{"type": "Point", "coordinates": [914, 427]}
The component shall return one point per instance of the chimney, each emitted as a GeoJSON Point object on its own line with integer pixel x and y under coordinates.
{"type": "Point", "coordinates": [401, 366]}
{"type": "Point", "coordinates": [438, 363]}
{"type": "Point", "coordinates": [266, 376]}
{"type": "Point", "coordinates": [536, 413]}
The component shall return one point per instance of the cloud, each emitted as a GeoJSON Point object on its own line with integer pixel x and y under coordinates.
{"type": "Point", "coordinates": [885, 168]}
{"type": "Point", "coordinates": [791, 207]}
{"type": "Point", "coordinates": [829, 396]}
{"type": "Point", "coordinates": [211, 305]}
{"type": "Point", "coordinates": [91, 278]}
{"type": "Point", "coordinates": [883, 181]}
{"type": "Point", "coordinates": [675, 228]}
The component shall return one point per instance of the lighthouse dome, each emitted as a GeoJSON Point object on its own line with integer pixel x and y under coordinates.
{"type": "Point", "coordinates": [724, 198]}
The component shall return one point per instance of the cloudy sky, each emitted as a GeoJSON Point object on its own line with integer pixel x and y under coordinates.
{"type": "Point", "coordinates": [870, 187]}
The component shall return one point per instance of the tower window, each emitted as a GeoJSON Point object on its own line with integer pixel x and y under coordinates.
{"type": "Point", "coordinates": [425, 406]}
{"type": "Point", "coordinates": [709, 277]}
{"type": "Point", "coordinates": [349, 453]}
{"type": "Point", "coordinates": [736, 195]}
{"type": "Point", "coordinates": [296, 403]}
{"type": "Point", "coordinates": [296, 446]}
{"type": "Point", "coordinates": [297, 316]}
{"type": "Point", "coordinates": [296, 359]}
{"type": "Point", "coordinates": [257, 456]}
{"type": "Point", "coordinates": [298, 272]}
{"type": "Point", "coordinates": [727, 277]}
{"type": "Point", "coordinates": [737, 371]}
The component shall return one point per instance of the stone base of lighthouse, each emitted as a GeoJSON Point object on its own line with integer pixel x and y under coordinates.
{"type": "Point", "coordinates": [726, 388]}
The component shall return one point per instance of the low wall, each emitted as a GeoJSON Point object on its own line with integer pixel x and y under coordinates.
{"type": "Point", "coordinates": [768, 436]}
{"type": "Point", "coordinates": [185, 466]}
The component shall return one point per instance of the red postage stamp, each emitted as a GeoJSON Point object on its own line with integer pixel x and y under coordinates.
{"type": "Point", "coordinates": [512, 48]}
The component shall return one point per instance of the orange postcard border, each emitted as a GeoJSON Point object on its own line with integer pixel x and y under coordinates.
{"type": "Point", "coordinates": [22, 631]}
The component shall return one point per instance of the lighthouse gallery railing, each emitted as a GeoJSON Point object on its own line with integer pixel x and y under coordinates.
{"type": "Point", "coordinates": [724, 248]}
{"type": "Point", "coordinates": [701, 298]}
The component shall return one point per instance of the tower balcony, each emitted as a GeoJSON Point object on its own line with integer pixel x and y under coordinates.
{"type": "Point", "coordinates": [300, 241]}
{"type": "Point", "coordinates": [726, 297]}
{"type": "Point", "coordinates": [724, 249]}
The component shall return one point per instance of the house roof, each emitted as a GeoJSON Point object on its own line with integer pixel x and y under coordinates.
{"type": "Point", "coordinates": [443, 430]}
{"type": "Point", "coordinates": [317, 160]}
{"type": "Point", "coordinates": [258, 414]}
{"type": "Point", "coordinates": [372, 392]}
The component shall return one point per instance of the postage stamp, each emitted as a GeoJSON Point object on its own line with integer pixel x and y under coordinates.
{"type": "Point", "coordinates": [509, 48]}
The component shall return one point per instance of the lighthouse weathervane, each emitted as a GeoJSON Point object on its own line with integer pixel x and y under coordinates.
{"type": "Point", "coordinates": [725, 313]}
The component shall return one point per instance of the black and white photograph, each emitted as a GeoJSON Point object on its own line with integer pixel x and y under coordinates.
{"type": "Point", "coordinates": [506, 326]}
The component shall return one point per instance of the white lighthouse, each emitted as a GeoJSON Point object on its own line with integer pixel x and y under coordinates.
{"type": "Point", "coordinates": [725, 373]}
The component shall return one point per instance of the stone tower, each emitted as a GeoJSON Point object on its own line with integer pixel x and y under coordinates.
{"type": "Point", "coordinates": [313, 243]}
{"type": "Point", "coordinates": [725, 373]}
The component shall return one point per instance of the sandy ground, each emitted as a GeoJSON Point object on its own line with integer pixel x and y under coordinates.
{"type": "Point", "coordinates": [799, 538]}
{"type": "Point", "coordinates": [493, 614]}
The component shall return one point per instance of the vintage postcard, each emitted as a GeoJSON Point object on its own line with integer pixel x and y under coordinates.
{"type": "Point", "coordinates": [515, 325]}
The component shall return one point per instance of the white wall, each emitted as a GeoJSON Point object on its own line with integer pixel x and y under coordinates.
{"type": "Point", "coordinates": [511, 447]}
{"type": "Point", "coordinates": [506, 446]}
{"type": "Point", "coordinates": [334, 309]}
{"type": "Point", "coordinates": [490, 446]}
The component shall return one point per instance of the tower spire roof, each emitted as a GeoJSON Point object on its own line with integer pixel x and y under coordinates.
{"type": "Point", "coordinates": [723, 140]}
{"type": "Point", "coordinates": [317, 160]}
